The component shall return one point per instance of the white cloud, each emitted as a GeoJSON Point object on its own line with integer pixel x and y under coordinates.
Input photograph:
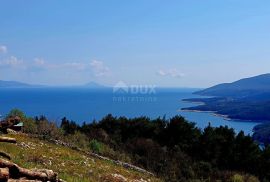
{"type": "Point", "coordinates": [172, 73]}
{"type": "Point", "coordinates": [12, 62]}
{"type": "Point", "coordinates": [3, 49]}
{"type": "Point", "coordinates": [37, 65]}
{"type": "Point", "coordinates": [40, 68]}
{"type": "Point", "coordinates": [42, 64]}
{"type": "Point", "coordinates": [99, 68]}
{"type": "Point", "coordinates": [161, 73]}
{"type": "Point", "coordinates": [76, 65]}
{"type": "Point", "coordinates": [39, 62]}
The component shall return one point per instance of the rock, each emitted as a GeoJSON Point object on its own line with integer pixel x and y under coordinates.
{"type": "Point", "coordinates": [90, 172]}
{"type": "Point", "coordinates": [119, 177]}
{"type": "Point", "coordinates": [4, 174]}
{"type": "Point", "coordinates": [114, 178]}
{"type": "Point", "coordinates": [11, 131]}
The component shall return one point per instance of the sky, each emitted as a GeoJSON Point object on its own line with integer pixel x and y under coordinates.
{"type": "Point", "coordinates": [175, 43]}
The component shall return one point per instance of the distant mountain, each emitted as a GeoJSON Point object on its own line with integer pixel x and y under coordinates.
{"type": "Point", "coordinates": [15, 84]}
{"type": "Point", "coordinates": [94, 85]}
{"type": "Point", "coordinates": [243, 88]}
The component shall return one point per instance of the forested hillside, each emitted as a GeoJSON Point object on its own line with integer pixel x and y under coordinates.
{"type": "Point", "coordinates": [246, 99]}
{"type": "Point", "coordinates": [173, 149]}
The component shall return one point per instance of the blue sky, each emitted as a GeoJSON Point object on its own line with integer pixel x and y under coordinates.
{"type": "Point", "coordinates": [183, 43]}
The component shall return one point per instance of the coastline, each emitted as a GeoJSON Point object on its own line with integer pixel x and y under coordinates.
{"type": "Point", "coordinates": [199, 103]}
{"type": "Point", "coordinates": [193, 102]}
{"type": "Point", "coordinates": [213, 113]}
{"type": "Point", "coordinates": [223, 116]}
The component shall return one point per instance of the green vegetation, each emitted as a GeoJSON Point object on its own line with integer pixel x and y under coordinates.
{"type": "Point", "coordinates": [237, 178]}
{"type": "Point", "coordinates": [251, 109]}
{"type": "Point", "coordinates": [174, 149]}
{"type": "Point", "coordinates": [262, 134]}
{"type": "Point", "coordinates": [16, 112]}
{"type": "Point", "coordinates": [245, 99]}
{"type": "Point", "coordinates": [72, 166]}
{"type": "Point", "coordinates": [95, 146]}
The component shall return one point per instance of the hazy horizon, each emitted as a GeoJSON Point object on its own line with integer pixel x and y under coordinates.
{"type": "Point", "coordinates": [193, 44]}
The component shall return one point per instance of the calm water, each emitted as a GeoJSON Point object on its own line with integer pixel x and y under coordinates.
{"type": "Point", "coordinates": [88, 104]}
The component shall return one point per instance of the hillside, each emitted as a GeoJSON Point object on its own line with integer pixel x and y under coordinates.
{"type": "Point", "coordinates": [173, 149]}
{"type": "Point", "coordinates": [239, 109]}
{"type": "Point", "coordinates": [245, 99]}
{"type": "Point", "coordinates": [242, 88]}
{"type": "Point", "coordinates": [70, 164]}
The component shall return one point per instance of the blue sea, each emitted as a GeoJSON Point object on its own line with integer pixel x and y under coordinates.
{"type": "Point", "coordinates": [85, 104]}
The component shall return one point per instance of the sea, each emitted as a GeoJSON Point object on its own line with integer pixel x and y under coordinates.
{"type": "Point", "coordinates": [90, 104]}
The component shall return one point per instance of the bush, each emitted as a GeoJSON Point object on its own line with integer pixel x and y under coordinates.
{"type": "Point", "coordinates": [30, 126]}
{"type": "Point", "coordinates": [237, 178]}
{"type": "Point", "coordinates": [16, 112]}
{"type": "Point", "coordinates": [36, 158]}
{"type": "Point", "coordinates": [113, 154]}
{"type": "Point", "coordinates": [203, 169]}
{"type": "Point", "coordinates": [252, 179]}
{"type": "Point", "coordinates": [96, 146]}
{"type": "Point", "coordinates": [77, 139]}
{"type": "Point", "coordinates": [48, 130]}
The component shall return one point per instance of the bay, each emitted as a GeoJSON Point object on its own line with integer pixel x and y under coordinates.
{"type": "Point", "coordinates": [86, 105]}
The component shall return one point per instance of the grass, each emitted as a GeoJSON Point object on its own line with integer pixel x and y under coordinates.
{"type": "Point", "coordinates": [71, 165]}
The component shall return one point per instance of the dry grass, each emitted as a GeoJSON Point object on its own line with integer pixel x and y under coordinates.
{"type": "Point", "coordinates": [70, 164]}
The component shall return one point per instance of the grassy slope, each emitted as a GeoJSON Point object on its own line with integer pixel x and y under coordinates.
{"type": "Point", "coordinates": [70, 164]}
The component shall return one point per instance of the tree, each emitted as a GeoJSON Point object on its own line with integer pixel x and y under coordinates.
{"type": "Point", "coordinates": [16, 112]}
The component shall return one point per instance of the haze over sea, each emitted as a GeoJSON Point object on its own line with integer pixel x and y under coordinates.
{"type": "Point", "coordinates": [85, 104]}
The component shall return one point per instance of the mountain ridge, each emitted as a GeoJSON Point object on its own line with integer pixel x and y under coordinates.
{"type": "Point", "coordinates": [16, 84]}
{"type": "Point", "coordinates": [94, 85]}
{"type": "Point", "coordinates": [244, 87]}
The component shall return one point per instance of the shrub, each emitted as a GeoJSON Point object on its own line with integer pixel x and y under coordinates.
{"type": "Point", "coordinates": [77, 139]}
{"type": "Point", "coordinates": [36, 158]}
{"type": "Point", "coordinates": [252, 179]}
{"type": "Point", "coordinates": [16, 112]}
{"type": "Point", "coordinates": [237, 178]}
{"type": "Point", "coordinates": [48, 130]}
{"type": "Point", "coordinates": [30, 126]}
{"type": "Point", "coordinates": [113, 154]}
{"type": "Point", "coordinates": [96, 146]}
{"type": "Point", "coordinates": [203, 169]}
